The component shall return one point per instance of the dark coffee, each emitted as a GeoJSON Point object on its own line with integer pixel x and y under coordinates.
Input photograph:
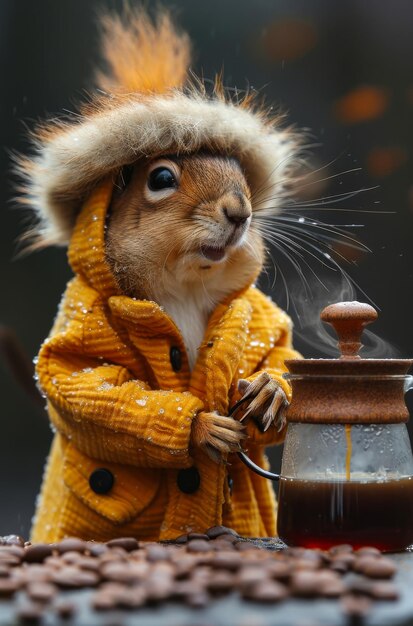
{"type": "Point", "coordinates": [320, 514]}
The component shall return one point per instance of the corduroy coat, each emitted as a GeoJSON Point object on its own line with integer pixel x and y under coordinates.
{"type": "Point", "coordinates": [118, 403]}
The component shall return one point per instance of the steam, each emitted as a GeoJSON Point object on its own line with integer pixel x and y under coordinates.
{"type": "Point", "coordinates": [317, 338]}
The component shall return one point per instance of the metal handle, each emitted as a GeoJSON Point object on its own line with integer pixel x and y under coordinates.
{"type": "Point", "coordinates": [246, 459]}
{"type": "Point", "coordinates": [256, 468]}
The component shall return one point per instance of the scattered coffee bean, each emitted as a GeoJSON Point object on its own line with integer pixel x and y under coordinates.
{"type": "Point", "coordinates": [8, 587]}
{"type": "Point", "coordinates": [368, 551]}
{"type": "Point", "coordinates": [41, 591]}
{"type": "Point", "coordinates": [71, 544]}
{"type": "Point", "coordinates": [384, 590]}
{"type": "Point", "coordinates": [374, 567]}
{"type": "Point", "coordinates": [74, 578]}
{"type": "Point", "coordinates": [38, 552]}
{"type": "Point", "coordinates": [204, 536]}
{"type": "Point", "coordinates": [198, 545]}
{"type": "Point", "coordinates": [157, 553]}
{"type": "Point", "coordinates": [195, 569]}
{"type": "Point", "coordinates": [96, 549]}
{"type": "Point", "coordinates": [4, 570]}
{"type": "Point", "coordinates": [304, 584]}
{"type": "Point", "coordinates": [218, 531]}
{"type": "Point", "coordinates": [8, 559]}
{"type": "Point", "coordinates": [127, 543]}
{"type": "Point", "coordinates": [220, 582]}
{"type": "Point", "coordinates": [227, 560]}
{"type": "Point", "coordinates": [343, 548]}
{"type": "Point", "coordinates": [268, 591]}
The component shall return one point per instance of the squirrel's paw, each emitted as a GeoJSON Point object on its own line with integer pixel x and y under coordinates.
{"type": "Point", "coordinates": [265, 400]}
{"type": "Point", "coordinates": [216, 435]}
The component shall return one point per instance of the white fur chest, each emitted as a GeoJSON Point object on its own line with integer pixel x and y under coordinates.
{"type": "Point", "coordinates": [190, 313]}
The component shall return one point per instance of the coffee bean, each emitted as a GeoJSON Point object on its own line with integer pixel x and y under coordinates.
{"type": "Point", "coordinates": [12, 549]}
{"type": "Point", "coordinates": [35, 572]}
{"type": "Point", "coordinates": [8, 559]}
{"type": "Point", "coordinates": [88, 563]}
{"type": "Point", "coordinates": [368, 551]}
{"type": "Point", "coordinates": [217, 545]}
{"type": "Point", "coordinates": [4, 570]}
{"type": "Point", "coordinates": [95, 548]}
{"type": "Point", "coordinates": [181, 539]}
{"type": "Point", "coordinates": [71, 544]}
{"type": "Point", "coordinates": [280, 570]}
{"type": "Point", "coordinates": [131, 598]}
{"type": "Point", "coordinates": [184, 566]}
{"type": "Point", "coordinates": [220, 582]}
{"type": "Point", "coordinates": [344, 548]}
{"type": "Point", "coordinates": [227, 560]}
{"type": "Point", "coordinates": [71, 557]}
{"type": "Point", "coordinates": [127, 543]}
{"type": "Point", "coordinates": [38, 552]}
{"type": "Point", "coordinates": [384, 590]}
{"type": "Point", "coordinates": [198, 545]}
{"type": "Point", "coordinates": [268, 591]}
{"type": "Point", "coordinates": [332, 588]}
{"type": "Point", "coordinates": [304, 584]}
{"type": "Point", "coordinates": [157, 553]}
{"type": "Point", "coordinates": [250, 576]}
{"type": "Point", "coordinates": [102, 601]}
{"type": "Point", "coordinates": [41, 591]}
{"type": "Point", "coordinates": [8, 587]}
{"type": "Point", "coordinates": [374, 567]}
{"type": "Point", "coordinates": [229, 537]}
{"type": "Point", "coordinates": [124, 572]}
{"type": "Point", "coordinates": [73, 578]}
{"type": "Point", "coordinates": [192, 536]}
{"type": "Point", "coordinates": [217, 531]}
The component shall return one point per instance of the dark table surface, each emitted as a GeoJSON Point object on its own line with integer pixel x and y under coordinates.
{"type": "Point", "coordinates": [231, 610]}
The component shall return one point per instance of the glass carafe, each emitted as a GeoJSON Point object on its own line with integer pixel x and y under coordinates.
{"type": "Point", "coordinates": [347, 466]}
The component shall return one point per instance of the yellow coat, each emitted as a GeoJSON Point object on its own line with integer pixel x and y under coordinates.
{"type": "Point", "coordinates": [117, 403]}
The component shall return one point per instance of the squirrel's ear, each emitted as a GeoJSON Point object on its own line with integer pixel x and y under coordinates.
{"type": "Point", "coordinates": [142, 55]}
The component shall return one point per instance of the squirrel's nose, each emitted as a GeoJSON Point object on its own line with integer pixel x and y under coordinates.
{"type": "Point", "coordinates": [237, 216]}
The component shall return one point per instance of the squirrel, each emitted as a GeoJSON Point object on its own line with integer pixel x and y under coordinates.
{"type": "Point", "coordinates": [157, 187]}
{"type": "Point", "coordinates": [179, 233]}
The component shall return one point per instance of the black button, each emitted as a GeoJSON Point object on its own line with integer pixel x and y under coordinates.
{"type": "Point", "coordinates": [189, 480]}
{"type": "Point", "coordinates": [101, 480]}
{"type": "Point", "coordinates": [230, 482]}
{"type": "Point", "coordinates": [176, 358]}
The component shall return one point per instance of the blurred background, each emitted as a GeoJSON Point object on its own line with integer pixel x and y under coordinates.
{"type": "Point", "coordinates": [340, 70]}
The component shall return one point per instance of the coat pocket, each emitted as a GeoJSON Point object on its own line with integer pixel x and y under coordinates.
{"type": "Point", "coordinates": [132, 491]}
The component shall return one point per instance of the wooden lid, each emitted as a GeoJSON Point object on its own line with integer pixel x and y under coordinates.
{"type": "Point", "coordinates": [348, 389]}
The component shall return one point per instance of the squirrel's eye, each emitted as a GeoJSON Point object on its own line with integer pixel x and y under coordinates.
{"type": "Point", "coordinates": [161, 178]}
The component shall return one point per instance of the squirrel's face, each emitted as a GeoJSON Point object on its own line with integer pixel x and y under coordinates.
{"type": "Point", "coordinates": [185, 219]}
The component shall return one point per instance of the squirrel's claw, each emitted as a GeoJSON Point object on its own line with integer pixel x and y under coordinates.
{"type": "Point", "coordinates": [267, 401]}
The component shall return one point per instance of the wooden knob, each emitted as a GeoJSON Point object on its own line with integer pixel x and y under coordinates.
{"type": "Point", "coordinates": [348, 320]}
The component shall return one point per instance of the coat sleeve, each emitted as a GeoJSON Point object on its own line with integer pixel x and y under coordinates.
{"type": "Point", "coordinates": [110, 416]}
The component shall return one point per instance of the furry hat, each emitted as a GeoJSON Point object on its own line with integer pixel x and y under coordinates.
{"type": "Point", "coordinates": [147, 105]}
